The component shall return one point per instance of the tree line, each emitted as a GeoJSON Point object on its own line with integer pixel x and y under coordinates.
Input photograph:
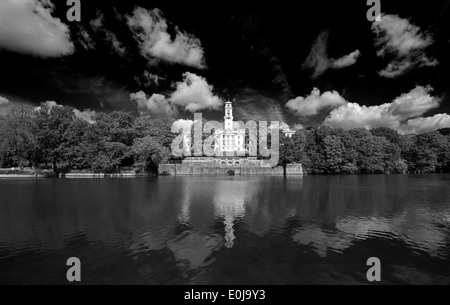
{"type": "Point", "coordinates": [329, 151]}
{"type": "Point", "coordinates": [56, 138]}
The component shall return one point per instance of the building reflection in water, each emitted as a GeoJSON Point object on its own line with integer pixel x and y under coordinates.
{"type": "Point", "coordinates": [228, 198]}
{"type": "Point", "coordinates": [186, 201]}
{"type": "Point", "coordinates": [229, 205]}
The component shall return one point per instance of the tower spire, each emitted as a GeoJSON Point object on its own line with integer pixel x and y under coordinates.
{"type": "Point", "coordinates": [228, 115]}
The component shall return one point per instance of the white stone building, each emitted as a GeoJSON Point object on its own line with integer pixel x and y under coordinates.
{"type": "Point", "coordinates": [230, 139]}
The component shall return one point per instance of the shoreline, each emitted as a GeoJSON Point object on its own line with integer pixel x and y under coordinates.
{"type": "Point", "coordinates": [145, 175]}
{"type": "Point", "coordinates": [76, 175]}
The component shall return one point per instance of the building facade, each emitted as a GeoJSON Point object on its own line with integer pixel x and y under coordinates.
{"type": "Point", "coordinates": [231, 158]}
{"type": "Point", "coordinates": [231, 138]}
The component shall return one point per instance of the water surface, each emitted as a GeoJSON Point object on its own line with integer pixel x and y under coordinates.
{"type": "Point", "coordinates": [226, 230]}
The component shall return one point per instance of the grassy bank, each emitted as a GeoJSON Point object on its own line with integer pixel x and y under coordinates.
{"type": "Point", "coordinates": [26, 173]}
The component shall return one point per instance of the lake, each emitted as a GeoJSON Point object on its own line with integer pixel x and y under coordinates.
{"type": "Point", "coordinates": [226, 230]}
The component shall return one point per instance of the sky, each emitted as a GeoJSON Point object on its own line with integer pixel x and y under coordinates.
{"type": "Point", "coordinates": [304, 64]}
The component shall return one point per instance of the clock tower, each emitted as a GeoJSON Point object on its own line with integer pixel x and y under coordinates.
{"type": "Point", "coordinates": [228, 116]}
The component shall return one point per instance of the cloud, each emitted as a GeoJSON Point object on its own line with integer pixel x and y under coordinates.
{"type": "Point", "coordinates": [421, 125]}
{"type": "Point", "coordinates": [194, 94]}
{"type": "Point", "coordinates": [150, 29]}
{"type": "Point", "coordinates": [84, 39]}
{"type": "Point", "coordinates": [347, 61]}
{"type": "Point", "coordinates": [86, 115]}
{"type": "Point", "coordinates": [115, 43]}
{"type": "Point", "coordinates": [27, 26]}
{"type": "Point", "coordinates": [353, 115]}
{"type": "Point", "coordinates": [148, 79]}
{"type": "Point", "coordinates": [319, 62]}
{"type": "Point", "coordinates": [315, 102]}
{"type": "Point", "coordinates": [185, 125]}
{"type": "Point", "coordinates": [317, 59]}
{"type": "Point", "coordinates": [413, 104]}
{"type": "Point", "coordinates": [394, 115]}
{"type": "Point", "coordinates": [399, 67]}
{"type": "Point", "coordinates": [47, 104]}
{"type": "Point", "coordinates": [406, 43]}
{"type": "Point", "coordinates": [298, 127]}
{"type": "Point", "coordinates": [3, 101]}
{"type": "Point", "coordinates": [98, 27]}
{"type": "Point", "coordinates": [152, 79]}
{"type": "Point", "coordinates": [157, 105]}
{"type": "Point", "coordinates": [191, 94]}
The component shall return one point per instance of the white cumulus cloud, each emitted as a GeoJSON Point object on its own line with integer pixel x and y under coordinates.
{"type": "Point", "coordinates": [402, 114]}
{"type": "Point", "coordinates": [47, 104]}
{"type": "Point", "coordinates": [298, 127]}
{"type": "Point", "coordinates": [27, 26]}
{"type": "Point", "coordinates": [86, 115]}
{"type": "Point", "coordinates": [353, 115]}
{"type": "Point", "coordinates": [191, 94]}
{"type": "Point", "coordinates": [156, 104]}
{"type": "Point", "coordinates": [150, 29]}
{"type": "Point", "coordinates": [314, 103]}
{"type": "Point", "coordinates": [414, 103]}
{"type": "Point", "coordinates": [3, 101]}
{"type": "Point", "coordinates": [421, 125]}
{"type": "Point", "coordinates": [194, 94]}
{"type": "Point", "coordinates": [405, 42]}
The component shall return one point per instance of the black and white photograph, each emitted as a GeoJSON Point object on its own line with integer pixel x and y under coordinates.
{"type": "Point", "coordinates": [210, 145]}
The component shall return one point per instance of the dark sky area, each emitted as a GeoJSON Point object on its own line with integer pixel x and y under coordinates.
{"type": "Point", "coordinates": [266, 57]}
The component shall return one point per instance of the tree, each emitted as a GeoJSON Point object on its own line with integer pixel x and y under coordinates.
{"type": "Point", "coordinates": [18, 144]}
{"type": "Point", "coordinates": [435, 147]}
{"type": "Point", "coordinates": [109, 157]}
{"type": "Point", "coordinates": [372, 157]}
{"type": "Point", "coordinates": [351, 154]}
{"type": "Point", "coordinates": [292, 150]}
{"type": "Point", "coordinates": [51, 126]}
{"type": "Point", "coordinates": [149, 153]}
{"type": "Point", "coordinates": [146, 126]}
{"type": "Point", "coordinates": [393, 162]}
{"type": "Point", "coordinates": [334, 154]}
{"type": "Point", "coordinates": [76, 147]}
{"type": "Point", "coordinates": [315, 150]}
{"type": "Point", "coordinates": [390, 134]}
{"type": "Point", "coordinates": [116, 126]}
